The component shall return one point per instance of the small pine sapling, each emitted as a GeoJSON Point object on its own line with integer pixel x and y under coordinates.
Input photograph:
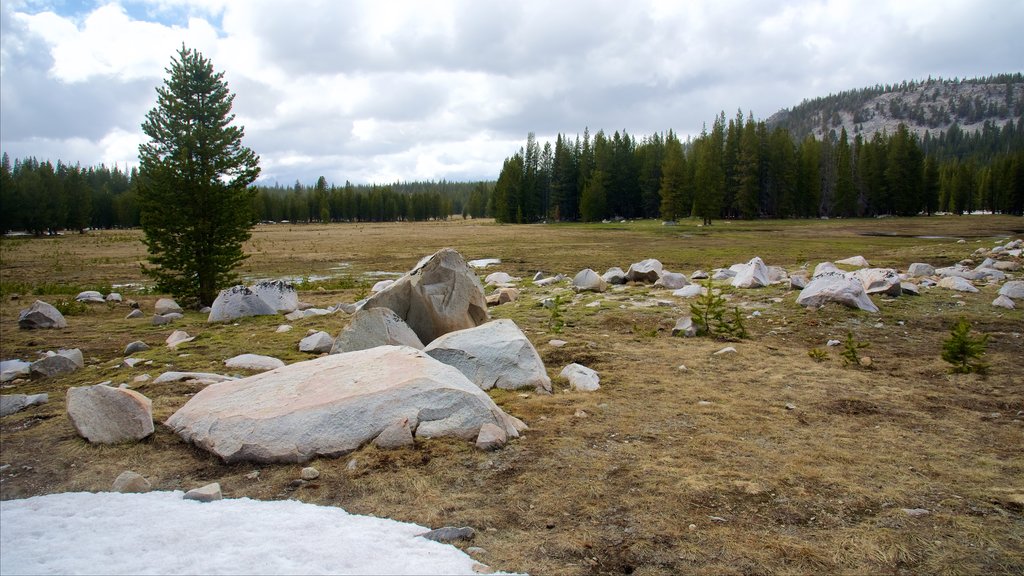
{"type": "Point", "coordinates": [850, 348]}
{"type": "Point", "coordinates": [963, 351]}
{"type": "Point", "coordinates": [817, 354]}
{"type": "Point", "coordinates": [710, 316]}
{"type": "Point", "coordinates": [555, 322]}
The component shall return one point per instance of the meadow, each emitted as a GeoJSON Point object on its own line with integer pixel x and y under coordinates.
{"type": "Point", "coordinates": [763, 461]}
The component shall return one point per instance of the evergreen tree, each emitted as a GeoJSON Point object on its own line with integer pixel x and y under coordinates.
{"type": "Point", "coordinates": [845, 202]}
{"type": "Point", "coordinates": [674, 181]}
{"type": "Point", "coordinates": [593, 202]}
{"type": "Point", "coordinates": [194, 179]}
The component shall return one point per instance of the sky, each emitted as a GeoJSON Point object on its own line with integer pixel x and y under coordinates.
{"type": "Point", "coordinates": [385, 91]}
{"type": "Point", "coordinates": [161, 533]}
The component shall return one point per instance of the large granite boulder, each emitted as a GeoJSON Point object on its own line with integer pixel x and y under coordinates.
{"type": "Point", "coordinates": [587, 280]}
{"type": "Point", "coordinates": [753, 274]}
{"type": "Point", "coordinates": [334, 405]}
{"type": "Point", "coordinates": [836, 287]}
{"type": "Point", "coordinates": [237, 302]}
{"type": "Point", "coordinates": [57, 363]}
{"type": "Point", "coordinates": [41, 315]}
{"type": "Point", "coordinates": [374, 327]}
{"type": "Point", "coordinates": [440, 295]}
{"type": "Point", "coordinates": [645, 271]}
{"type": "Point", "coordinates": [166, 306]}
{"type": "Point", "coordinates": [493, 355]}
{"type": "Point", "coordinates": [280, 295]}
{"type": "Point", "coordinates": [879, 281]}
{"type": "Point", "coordinates": [105, 415]}
{"type": "Point", "coordinates": [1013, 289]}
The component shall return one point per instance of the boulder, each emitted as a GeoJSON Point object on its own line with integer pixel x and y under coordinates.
{"type": "Point", "coordinates": [689, 291]}
{"type": "Point", "coordinates": [166, 306]}
{"type": "Point", "coordinates": [11, 403]}
{"type": "Point", "coordinates": [91, 297]}
{"type": "Point", "coordinates": [209, 493]}
{"type": "Point", "coordinates": [502, 296]}
{"type": "Point", "coordinates": [105, 415]}
{"type": "Point", "coordinates": [129, 482]}
{"type": "Point", "coordinates": [855, 261]}
{"type": "Point", "coordinates": [723, 274]}
{"type": "Point", "coordinates": [614, 275]}
{"type": "Point", "coordinates": [920, 269]}
{"type": "Point", "coordinates": [238, 302]}
{"type": "Point", "coordinates": [114, 297]}
{"type": "Point", "coordinates": [55, 364]}
{"type": "Point", "coordinates": [1004, 302]}
{"type": "Point", "coordinates": [835, 287]}
{"type": "Point", "coordinates": [777, 274]}
{"type": "Point", "coordinates": [684, 327]}
{"type": "Point", "coordinates": [135, 313]}
{"type": "Point", "coordinates": [440, 295]}
{"type": "Point", "coordinates": [798, 281]}
{"type": "Point", "coordinates": [581, 378]}
{"type": "Point", "coordinates": [1013, 289]}
{"type": "Point", "coordinates": [163, 319]}
{"type": "Point", "coordinates": [499, 278]}
{"type": "Point", "coordinates": [644, 271]}
{"type": "Point", "coordinates": [483, 262]}
{"type": "Point", "coordinates": [671, 280]}
{"type": "Point", "coordinates": [491, 437]}
{"type": "Point", "coordinates": [397, 435]}
{"type": "Point", "coordinates": [316, 343]}
{"type": "Point", "coordinates": [699, 275]}
{"type": "Point", "coordinates": [203, 377]}
{"type": "Point", "coordinates": [549, 280]}
{"type": "Point", "coordinates": [753, 274]}
{"type": "Point", "coordinates": [136, 346]}
{"type": "Point", "coordinates": [957, 283]}
{"type": "Point", "coordinates": [958, 271]}
{"type": "Point", "coordinates": [253, 362]}
{"type": "Point", "coordinates": [177, 338]}
{"type": "Point", "coordinates": [493, 355]}
{"type": "Point", "coordinates": [909, 288]}
{"type": "Point", "coordinates": [825, 267]}
{"type": "Point", "coordinates": [587, 280]}
{"type": "Point", "coordinates": [11, 369]}
{"type": "Point", "coordinates": [374, 327]}
{"type": "Point", "coordinates": [280, 295]}
{"type": "Point", "coordinates": [879, 281]}
{"type": "Point", "coordinates": [335, 404]}
{"type": "Point", "coordinates": [41, 315]}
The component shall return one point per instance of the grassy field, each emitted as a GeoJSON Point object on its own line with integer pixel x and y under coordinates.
{"type": "Point", "coordinates": [763, 461]}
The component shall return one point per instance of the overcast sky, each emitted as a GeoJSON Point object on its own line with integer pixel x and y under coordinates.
{"type": "Point", "coordinates": [423, 90]}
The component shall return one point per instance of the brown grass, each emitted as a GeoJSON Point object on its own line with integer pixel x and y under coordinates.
{"type": "Point", "coordinates": [702, 470]}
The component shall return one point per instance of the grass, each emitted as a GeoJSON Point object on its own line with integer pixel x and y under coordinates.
{"type": "Point", "coordinates": [764, 461]}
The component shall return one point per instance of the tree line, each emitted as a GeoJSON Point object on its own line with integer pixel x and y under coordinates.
{"type": "Point", "coordinates": [743, 169]}
{"type": "Point", "coordinates": [41, 197]}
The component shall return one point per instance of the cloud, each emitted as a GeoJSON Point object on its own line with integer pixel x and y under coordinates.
{"type": "Point", "coordinates": [371, 91]}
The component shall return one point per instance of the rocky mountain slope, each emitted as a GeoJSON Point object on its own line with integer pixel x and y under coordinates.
{"type": "Point", "coordinates": [930, 105]}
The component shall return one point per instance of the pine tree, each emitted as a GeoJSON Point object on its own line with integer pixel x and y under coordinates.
{"type": "Point", "coordinates": [963, 351]}
{"type": "Point", "coordinates": [194, 178]}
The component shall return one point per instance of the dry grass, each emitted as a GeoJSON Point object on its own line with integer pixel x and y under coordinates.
{"type": "Point", "coordinates": [703, 470]}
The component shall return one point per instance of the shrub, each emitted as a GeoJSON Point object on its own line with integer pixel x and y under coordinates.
{"type": "Point", "coordinates": [817, 354]}
{"type": "Point", "coordinates": [713, 319]}
{"type": "Point", "coordinates": [850, 348]}
{"type": "Point", "coordinates": [963, 351]}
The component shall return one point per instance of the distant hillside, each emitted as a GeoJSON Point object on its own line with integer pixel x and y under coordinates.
{"type": "Point", "coordinates": [930, 105]}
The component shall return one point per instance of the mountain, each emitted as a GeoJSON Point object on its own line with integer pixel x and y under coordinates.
{"type": "Point", "coordinates": [929, 105]}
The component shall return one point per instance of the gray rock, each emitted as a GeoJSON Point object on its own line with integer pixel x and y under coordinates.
{"type": "Point", "coordinates": [753, 274]}
{"type": "Point", "coordinates": [333, 405]}
{"type": "Point", "coordinates": [114, 297]}
{"type": "Point", "coordinates": [278, 294]}
{"type": "Point", "coordinates": [1004, 302]}
{"type": "Point", "coordinates": [105, 415]}
{"type": "Point", "coordinates": [11, 403]}
{"type": "Point", "coordinates": [684, 327]}
{"type": "Point", "coordinates": [135, 313]}
{"type": "Point", "coordinates": [63, 362]}
{"type": "Point", "coordinates": [724, 351]}
{"type": "Point", "coordinates": [491, 437]}
{"type": "Point", "coordinates": [549, 281]}
{"type": "Point", "coordinates": [166, 306]}
{"type": "Point", "coordinates": [910, 288]}
{"type": "Point", "coordinates": [1013, 289]}
{"type": "Point", "coordinates": [440, 295]}
{"type": "Point", "coordinates": [723, 274]}
{"type": "Point", "coordinates": [90, 296]}
{"type": "Point", "coordinates": [493, 355]}
{"type": "Point", "coordinates": [41, 315]}
{"type": "Point", "coordinates": [316, 343]}
{"type": "Point", "coordinates": [483, 262]}
{"type": "Point", "coordinates": [855, 261]}
{"type": "Point", "coordinates": [499, 278]}
{"type": "Point", "coordinates": [581, 378]}
{"type": "Point", "coordinates": [205, 377]}
{"type": "Point", "coordinates": [835, 287]}
{"type": "Point", "coordinates": [614, 275]}
{"type": "Point", "coordinates": [699, 275]}
{"type": "Point", "coordinates": [11, 369]}
{"type": "Point", "coordinates": [879, 281]}
{"type": "Point", "coordinates": [397, 435]}
{"type": "Point", "coordinates": [798, 281]}
{"type": "Point", "coordinates": [824, 267]}
{"type": "Point", "coordinates": [450, 534]}
{"type": "Point", "coordinates": [208, 493]}
{"type": "Point", "coordinates": [129, 482]}
{"type": "Point", "coordinates": [164, 319]}
{"type": "Point", "coordinates": [671, 280]}
{"type": "Point", "coordinates": [587, 280]}
{"type": "Point", "coordinates": [253, 362]}
{"type": "Point", "coordinates": [920, 269]}
{"type": "Point", "coordinates": [689, 291]}
{"type": "Point", "coordinates": [136, 346]}
{"type": "Point", "coordinates": [957, 283]}
{"type": "Point", "coordinates": [177, 338]}
{"type": "Point", "coordinates": [502, 296]}
{"type": "Point", "coordinates": [374, 327]}
{"type": "Point", "coordinates": [645, 271]}
{"type": "Point", "coordinates": [777, 274]}
{"type": "Point", "coordinates": [309, 473]}
{"type": "Point", "coordinates": [239, 302]}
{"type": "Point", "coordinates": [958, 271]}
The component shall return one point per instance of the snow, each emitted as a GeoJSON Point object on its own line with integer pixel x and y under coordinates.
{"type": "Point", "coordinates": [160, 533]}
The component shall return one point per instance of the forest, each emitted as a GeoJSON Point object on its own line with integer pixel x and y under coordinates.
{"type": "Point", "coordinates": [742, 169]}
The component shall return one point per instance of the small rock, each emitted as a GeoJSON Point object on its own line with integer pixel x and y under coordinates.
{"type": "Point", "coordinates": [916, 512]}
{"type": "Point", "coordinates": [177, 338]}
{"type": "Point", "coordinates": [130, 482]}
{"type": "Point", "coordinates": [476, 550]}
{"type": "Point", "coordinates": [207, 493]}
{"type": "Point", "coordinates": [684, 327]}
{"type": "Point", "coordinates": [254, 475]}
{"type": "Point", "coordinates": [283, 328]}
{"type": "Point", "coordinates": [580, 413]}
{"type": "Point", "coordinates": [11, 403]}
{"type": "Point", "coordinates": [254, 362]}
{"type": "Point", "coordinates": [790, 406]}
{"type": "Point", "coordinates": [479, 568]}
{"type": "Point", "coordinates": [317, 343]}
{"type": "Point", "coordinates": [397, 435]}
{"type": "Point", "coordinates": [166, 306]}
{"type": "Point", "coordinates": [557, 343]}
{"type": "Point", "coordinates": [135, 313]}
{"type": "Point", "coordinates": [832, 343]}
{"type": "Point", "coordinates": [726, 350]}
{"type": "Point", "coordinates": [865, 361]}
{"type": "Point", "coordinates": [309, 473]}
{"type": "Point", "coordinates": [491, 437]}
{"type": "Point", "coordinates": [450, 534]}
{"type": "Point", "coordinates": [352, 465]}
{"type": "Point", "coordinates": [581, 378]}
{"type": "Point", "coordinates": [137, 346]}
{"type": "Point", "coordinates": [1003, 302]}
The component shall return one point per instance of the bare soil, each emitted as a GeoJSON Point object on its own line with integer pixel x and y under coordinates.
{"type": "Point", "coordinates": [762, 461]}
